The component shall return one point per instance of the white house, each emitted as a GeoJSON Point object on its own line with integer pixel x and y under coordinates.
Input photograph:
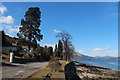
{"type": "Point", "coordinates": [8, 43]}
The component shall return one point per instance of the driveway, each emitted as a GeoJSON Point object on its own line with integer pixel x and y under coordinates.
{"type": "Point", "coordinates": [21, 70]}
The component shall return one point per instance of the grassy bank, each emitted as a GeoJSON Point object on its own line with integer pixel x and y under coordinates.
{"type": "Point", "coordinates": [48, 70]}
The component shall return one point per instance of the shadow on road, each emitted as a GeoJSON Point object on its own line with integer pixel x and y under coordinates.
{"type": "Point", "coordinates": [7, 64]}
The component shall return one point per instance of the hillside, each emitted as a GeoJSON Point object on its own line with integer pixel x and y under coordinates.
{"type": "Point", "coordinates": [7, 40]}
{"type": "Point", "coordinates": [82, 56]}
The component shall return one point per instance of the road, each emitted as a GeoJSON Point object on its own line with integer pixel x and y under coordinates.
{"type": "Point", "coordinates": [21, 70]}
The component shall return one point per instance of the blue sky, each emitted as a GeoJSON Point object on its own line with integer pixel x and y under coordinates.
{"type": "Point", "coordinates": [93, 25]}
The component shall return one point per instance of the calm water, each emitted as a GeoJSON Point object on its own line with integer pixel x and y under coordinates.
{"type": "Point", "coordinates": [108, 63]}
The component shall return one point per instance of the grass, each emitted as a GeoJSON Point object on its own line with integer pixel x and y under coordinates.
{"type": "Point", "coordinates": [5, 58]}
{"type": "Point", "coordinates": [47, 70]}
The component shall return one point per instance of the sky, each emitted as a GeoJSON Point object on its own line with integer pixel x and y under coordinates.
{"type": "Point", "coordinates": [92, 25]}
{"type": "Point", "coordinates": [60, 1]}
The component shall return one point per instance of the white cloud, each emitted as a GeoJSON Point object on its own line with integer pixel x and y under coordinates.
{"type": "Point", "coordinates": [13, 29]}
{"type": "Point", "coordinates": [9, 34]}
{"type": "Point", "coordinates": [10, 30]}
{"type": "Point", "coordinates": [3, 9]}
{"type": "Point", "coordinates": [116, 51]}
{"type": "Point", "coordinates": [7, 23]}
{"type": "Point", "coordinates": [81, 51]}
{"type": "Point", "coordinates": [6, 20]}
{"type": "Point", "coordinates": [101, 49]}
{"type": "Point", "coordinates": [57, 31]}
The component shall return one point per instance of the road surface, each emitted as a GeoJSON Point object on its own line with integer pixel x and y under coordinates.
{"type": "Point", "coordinates": [21, 70]}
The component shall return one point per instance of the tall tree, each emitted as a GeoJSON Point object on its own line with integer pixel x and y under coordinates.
{"type": "Point", "coordinates": [30, 27]}
{"type": "Point", "coordinates": [56, 51]}
{"type": "Point", "coordinates": [67, 44]}
{"type": "Point", "coordinates": [50, 51]}
{"type": "Point", "coordinates": [60, 49]}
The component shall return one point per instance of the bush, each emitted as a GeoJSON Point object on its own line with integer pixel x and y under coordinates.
{"type": "Point", "coordinates": [26, 56]}
{"type": "Point", "coordinates": [18, 54]}
{"type": "Point", "coordinates": [55, 65]}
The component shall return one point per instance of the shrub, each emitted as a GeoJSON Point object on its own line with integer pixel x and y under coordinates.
{"type": "Point", "coordinates": [55, 65]}
{"type": "Point", "coordinates": [18, 54]}
{"type": "Point", "coordinates": [26, 56]}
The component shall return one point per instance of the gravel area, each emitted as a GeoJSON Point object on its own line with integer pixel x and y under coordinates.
{"type": "Point", "coordinates": [21, 70]}
{"type": "Point", "coordinates": [91, 72]}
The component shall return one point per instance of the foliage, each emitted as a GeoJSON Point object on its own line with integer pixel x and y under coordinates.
{"type": "Point", "coordinates": [18, 54]}
{"type": "Point", "coordinates": [27, 56]}
{"type": "Point", "coordinates": [60, 49]}
{"type": "Point", "coordinates": [50, 51]}
{"type": "Point", "coordinates": [56, 51]}
{"type": "Point", "coordinates": [42, 53]}
{"type": "Point", "coordinates": [29, 31]}
{"type": "Point", "coordinates": [54, 65]}
{"type": "Point", "coordinates": [56, 48]}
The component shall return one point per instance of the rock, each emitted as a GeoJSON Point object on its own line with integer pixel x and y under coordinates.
{"type": "Point", "coordinates": [90, 72]}
{"type": "Point", "coordinates": [70, 72]}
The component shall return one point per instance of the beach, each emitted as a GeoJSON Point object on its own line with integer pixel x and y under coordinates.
{"type": "Point", "coordinates": [90, 72]}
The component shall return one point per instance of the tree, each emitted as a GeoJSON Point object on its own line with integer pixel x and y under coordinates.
{"type": "Point", "coordinates": [34, 44]}
{"type": "Point", "coordinates": [56, 51]}
{"type": "Point", "coordinates": [50, 51]}
{"type": "Point", "coordinates": [56, 48]}
{"type": "Point", "coordinates": [30, 27]}
{"type": "Point", "coordinates": [70, 51]}
{"type": "Point", "coordinates": [67, 44]}
{"type": "Point", "coordinates": [38, 52]}
{"type": "Point", "coordinates": [60, 49]}
{"type": "Point", "coordinates": [45, 54]}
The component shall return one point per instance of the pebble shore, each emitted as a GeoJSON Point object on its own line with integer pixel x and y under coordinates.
{"type": "Point", "coordinates": [90, 72]}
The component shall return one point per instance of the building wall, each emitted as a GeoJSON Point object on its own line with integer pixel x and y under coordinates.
{"type": "Point", "coordinates": [7, 49]}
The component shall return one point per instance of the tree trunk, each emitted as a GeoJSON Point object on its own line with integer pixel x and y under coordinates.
{"type": "Point", "coordinates": [28, 47]}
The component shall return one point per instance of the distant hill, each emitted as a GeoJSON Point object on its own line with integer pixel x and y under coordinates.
{"type": "Point", "coordinates": [117, 58]}
{"type": "Point", "coordinates": [108, 57]}
{"type": "Point", "coordinates": [81, 56]}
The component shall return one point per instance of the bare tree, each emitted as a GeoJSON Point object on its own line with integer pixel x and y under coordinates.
{"type": "Point", "coordinates": [67, 45]}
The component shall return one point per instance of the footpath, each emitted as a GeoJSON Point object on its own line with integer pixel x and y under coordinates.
{"type": "Point", "coordinates": [14, 70]}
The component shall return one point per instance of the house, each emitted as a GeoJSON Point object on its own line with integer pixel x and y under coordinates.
{"type": "Point", "coordinates": [8, 43]}
{"type": "Point", "coordinates": [7, 49]}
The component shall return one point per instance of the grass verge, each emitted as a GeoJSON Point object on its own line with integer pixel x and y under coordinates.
{"type": "Point", "coordinates": [47, 70]}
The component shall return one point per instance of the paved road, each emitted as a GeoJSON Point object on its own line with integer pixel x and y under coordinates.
{"type": "Point", "coordinates": [21, 70]}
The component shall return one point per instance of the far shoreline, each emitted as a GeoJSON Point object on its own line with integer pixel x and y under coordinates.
{"type": "Point", "coordinates": [97, 65]}
{"type": "Point", "coordinates": [114, 66]}
{"type": "Point", "coordinates": [92, 72]}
